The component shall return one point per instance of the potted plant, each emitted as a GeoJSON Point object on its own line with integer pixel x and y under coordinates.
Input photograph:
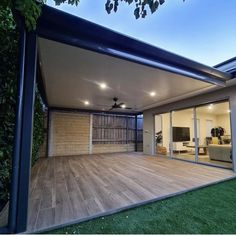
{"type": "Point", "coordinates": [159, 138]}
{"type": "Point", "coordinates": [160, 149]}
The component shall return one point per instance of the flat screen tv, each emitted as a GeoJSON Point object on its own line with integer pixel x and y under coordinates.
{"type": "Point", "coordinates": [181, 134]}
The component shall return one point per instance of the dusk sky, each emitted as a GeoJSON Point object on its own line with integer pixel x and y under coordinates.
{"type": "Point", "coordinates": [202, 30]}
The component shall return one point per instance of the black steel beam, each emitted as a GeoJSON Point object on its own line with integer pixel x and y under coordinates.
{"type": "Point", "coordinates": [48, 130]}
{"type": "Point", "coordinates": [27, 131]}
{"type": "Point", "coordinates": [92, 111]}
{"type": "Point", "coordinates": [53, 24]}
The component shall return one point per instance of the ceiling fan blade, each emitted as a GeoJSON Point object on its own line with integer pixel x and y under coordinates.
{"type": "Point", "coordinates": [100, 105]}
{"type": "Point", "coordinates": [111, 109]}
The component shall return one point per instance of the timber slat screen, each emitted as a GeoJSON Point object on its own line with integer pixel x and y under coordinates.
{"type": "Point", "coordinates": [115, 129]}
{"type": "Point", "coordinates": [140, 133]}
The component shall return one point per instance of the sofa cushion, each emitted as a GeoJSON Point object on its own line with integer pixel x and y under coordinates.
{"type": "Point", "coordinates": [220, 152]}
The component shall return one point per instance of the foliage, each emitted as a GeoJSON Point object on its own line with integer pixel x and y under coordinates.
{"type": "Point", "coordinates": [38, 129]}
{"type": "Point", "coordinates": [8, 62]}
{"type": "Point", "coordinates": [140, 6]}
{"type": "Point", "coordinates": [8, 86]}
{"type": "Point", "coordinates": [158, 137]}
{"type": "Point", "coordinates": [31, 9]}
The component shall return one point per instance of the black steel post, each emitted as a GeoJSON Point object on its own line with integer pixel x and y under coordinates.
{"type": "Point", "coordinates": [127, 130]}
{"type": "Point", "coordinates": [48, 130]}
{"type": "Point", "coordinates": [136, 133]}
{"type": "Point", "coordinates": [17, 132]}
{"type": "Point", "coordinates": [27, 130]}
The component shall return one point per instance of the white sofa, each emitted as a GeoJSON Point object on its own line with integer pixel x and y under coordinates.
{"type": "Point", "coordinates": [220, 152]}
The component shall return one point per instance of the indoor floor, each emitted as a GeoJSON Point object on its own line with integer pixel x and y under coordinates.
{"type": "Point", "coordinates": [203, 159]}
{"type": "Point", "coordinates": [75, 188]}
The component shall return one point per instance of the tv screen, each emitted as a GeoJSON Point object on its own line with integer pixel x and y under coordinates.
{"type": "Point", "coordinates": [181, 134]}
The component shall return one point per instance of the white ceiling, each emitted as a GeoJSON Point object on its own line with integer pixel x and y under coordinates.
{"type": "Point", "coordinates": [72, 75]}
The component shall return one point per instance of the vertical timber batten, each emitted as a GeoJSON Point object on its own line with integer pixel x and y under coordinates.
{"type": "Point", "coordinates": [136, 133]}
{"type": "Point", "coordinates": [27, 129]}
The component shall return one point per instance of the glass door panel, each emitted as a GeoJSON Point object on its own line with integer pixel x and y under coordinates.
{"type": "Point", "coordinates": [183, 135]}
{"type": "Point", "coordinates": [162, 134]}
{"type": "Point", "coordinates": [215, 134]}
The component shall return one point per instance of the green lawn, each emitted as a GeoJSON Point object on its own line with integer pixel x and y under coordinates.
{"type": "Point", "coordinates": [211, 210]}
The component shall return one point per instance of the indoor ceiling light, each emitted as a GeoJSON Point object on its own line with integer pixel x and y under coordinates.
{"type": "Point", "coordinates": [228, 111]}
{"type": "Point", "coordinates": [123, 106]}
{"type": "Point", "coordinates": [152, 94]}
{"type": "Point", "coordinates": [86, 103]}
{"type": "Point", "coordinates": [103, 86]}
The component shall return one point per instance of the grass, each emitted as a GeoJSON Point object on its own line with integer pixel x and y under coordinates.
{"type": "Point", "coordinates": [211, 210]}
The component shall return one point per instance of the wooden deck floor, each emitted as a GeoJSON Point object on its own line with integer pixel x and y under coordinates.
{"type": "Point", "coordinates": [70, 189]}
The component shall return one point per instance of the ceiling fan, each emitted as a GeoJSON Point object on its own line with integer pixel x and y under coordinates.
{"type": "Point", "coordinates": [118, 105]}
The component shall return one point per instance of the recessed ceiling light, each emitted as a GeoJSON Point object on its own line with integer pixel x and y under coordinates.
{"type": "Point", "coordinates": [86, 103]}
{"type": "Point", "coordinates": [152, 94]}
{"type": "Point", "coordinates": [103, 86]}
{"type": "Point", "coordinates": [210, 107]}
{"type": "Point", "coordinates": [123, 106]}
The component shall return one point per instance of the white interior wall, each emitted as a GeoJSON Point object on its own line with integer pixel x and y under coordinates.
{"type": "Point", "coordinates": [162, 122]}
{"type": "Point", "coordinates": [158, 123]}
{"type": "Point", "coordinates": [224, 121]}
{"type": "Point", "coordinates": [203, 117]}
{"type": "Point", "coordinates": [148, 134]}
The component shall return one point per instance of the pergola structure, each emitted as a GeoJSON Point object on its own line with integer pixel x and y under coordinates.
{"type": "Point", "coordinates": [70, 30]}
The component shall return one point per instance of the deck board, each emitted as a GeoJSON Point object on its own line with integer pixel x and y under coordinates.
{"type": "Point", "coordinates": [67, 189]}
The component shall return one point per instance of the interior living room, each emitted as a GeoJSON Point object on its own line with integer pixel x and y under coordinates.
{"type": "Point", "coordinates": [201, 134]}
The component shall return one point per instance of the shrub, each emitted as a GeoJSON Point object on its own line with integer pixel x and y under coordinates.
{"type": "Point", "coordinates": [8, 87]}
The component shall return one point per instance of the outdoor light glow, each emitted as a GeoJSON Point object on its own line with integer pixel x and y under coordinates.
{"type": "Point", "coordinates": [103, 86]}
{"type": "Point", "coordinates": [86, 103]}
{"type": "Point", "coordinates": [123, 106]}
{"type": "Point", "coordinates": [152, 94]}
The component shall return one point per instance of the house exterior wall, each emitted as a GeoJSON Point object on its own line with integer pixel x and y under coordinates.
{"type": "Point", "coordinates": [71, 134]}
{"type": "Point", "coordinates": [108, 148]}
{"type": "Point", "coordinates": [221, 94]}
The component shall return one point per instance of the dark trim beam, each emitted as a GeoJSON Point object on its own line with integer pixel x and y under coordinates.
{"type": "Point", "coordinates": [4, 230]}
{"type": "Point", "coordinates": [63, 109]}
{"type": "Point", "coordinates": [53, 24]}
{"type": "Point", "coordinates": [17, 131]}
{"type": "Point", "coordinates": [48, 131]}
{"type": "Point", "coordinates": [27, 131]}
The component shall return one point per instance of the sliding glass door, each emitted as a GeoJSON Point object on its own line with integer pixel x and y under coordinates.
{"type": "Point", "coordinates": [215, 134]}
{"type": "Point", "coordinates": [199, 134]}
{"type": "Point", "coordinates": [162, 134]}
{"type": "Point", "coordinates": [183, 134]}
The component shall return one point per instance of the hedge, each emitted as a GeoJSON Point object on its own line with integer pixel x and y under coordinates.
{"type": "Point", "coordinates": [8, 87]}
